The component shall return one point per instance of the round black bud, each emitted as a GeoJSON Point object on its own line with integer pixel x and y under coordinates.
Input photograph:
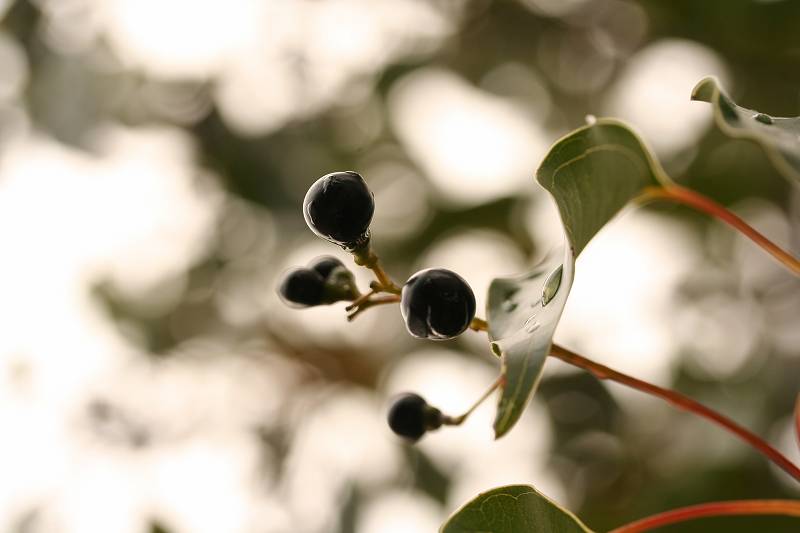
{"type": "Point", "coordinates": [339, 207]}
{"type": "Point", "coordinates": [437, 304]}
{"type": "Point", "coordinates": [324, 265]}
{"type": "Point", "coordinates": [302, 287]}
{"type": "Point", "coordinates": [410, 416]}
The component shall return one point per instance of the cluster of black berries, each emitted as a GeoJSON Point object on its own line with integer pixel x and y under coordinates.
{"type": "Point", "coordinates": [436, 303]}
{"type": "Point", "coordinates": [324, 281]}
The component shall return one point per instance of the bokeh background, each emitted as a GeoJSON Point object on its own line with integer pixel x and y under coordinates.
{"type": "Point", "coordinates": [153, 159]}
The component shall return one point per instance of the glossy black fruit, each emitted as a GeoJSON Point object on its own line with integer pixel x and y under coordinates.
{"type": "Point", "coordinates": [339, 207]}
{"type": "Point", "coordinates": [410, 416]}
{"type": "Point", "coordinates": [324, 265]}
{"type": "Point", "coordinates": [437, 304]}
{"type": "Point", "coordinates": [302, 287]}
{"type": "Point", "coordinates": [325, 281]}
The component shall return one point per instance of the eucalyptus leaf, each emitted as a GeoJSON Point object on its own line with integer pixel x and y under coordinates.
{"type": "Point", "coordinates": [513, 509]}
{"type": "Point", "coordinates": [779, 136]}
{"type": "Point", "coordinates": [591, 173]}
{"type": "Point", "coordinates": [521, 326]}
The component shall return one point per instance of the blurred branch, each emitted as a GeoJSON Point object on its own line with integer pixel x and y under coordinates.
{"type": "Point", "coordinates": [320, 363]}
{"type": "Point", "coordinates": [797, 419]}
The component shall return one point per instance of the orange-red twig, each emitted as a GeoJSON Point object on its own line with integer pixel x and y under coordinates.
{"type": "Point", "coordinates": [676, 193]}
{"type": "Point", "coordinates": [731, 508]}
{"type": "Point", "coordinates": [678, 400]}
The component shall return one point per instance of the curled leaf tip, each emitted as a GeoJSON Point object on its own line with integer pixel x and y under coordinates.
{"type": "Point", "coordinates": [778, 136]}
{"type": "Point", "coordinates": [704, 90]}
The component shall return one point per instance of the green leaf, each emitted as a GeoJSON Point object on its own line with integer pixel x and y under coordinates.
{"type": "Point", "coordinates": [513, 509]}
{"type": "Point", "coordinates": [591, 173]}
{"type": "Point", "coordinates": [521, 326]}
{"type": "Point", "coordinates": [779, 136]}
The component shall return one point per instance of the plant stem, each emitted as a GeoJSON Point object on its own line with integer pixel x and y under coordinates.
{"type": "Point", "coordinates": [675, 398]}
{"type": "Point", "coordinates": [384, 279]}
{"type": "Point", "coordinates": [479, 324]}
{"type": "Point", "coordinates": [360, 300]}
{"type": "Point", "coordinates": [680, 401]}
{"type": "Point", "coordinates": [366, 257]}
{"type": "Point", "coordinates": [730, 508]}
{"type": "Point", "coordinates": [458, 420]}
{"type": "Point", "coordinates": [676, 193]}
{"type": "Point", "coordinates": [379, 300]}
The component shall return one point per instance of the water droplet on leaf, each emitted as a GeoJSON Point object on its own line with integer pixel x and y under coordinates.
{"type": "Point", "coordinates": [531, 324]}
{"type": "Point", "coordinates": [762, 118]}
{"type": "Point", "coordinates": [551, 285]}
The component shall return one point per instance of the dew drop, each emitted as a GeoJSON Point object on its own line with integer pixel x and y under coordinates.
{"type": "Point", "coordinates": [531, 324]}
{"type": "Point", "coordinates": [551, 285]}
{"type": "Point", "coordinates": [762, 118]}
{"type": "Point", "coordinates": [591, 120]}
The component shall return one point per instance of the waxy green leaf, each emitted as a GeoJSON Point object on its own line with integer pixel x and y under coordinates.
{"type": "Point", "coordinates": [521, 326]}
{"type": "Point", "coordinates": [513, 509]}
{"type": "Point", "coordinates": [779, 136]}
{"type": "Point", "coordinates": [591, 173]}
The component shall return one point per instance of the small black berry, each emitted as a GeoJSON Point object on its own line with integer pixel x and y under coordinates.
{"type": "Point", "coordinates": [437, 304]}
{"type": "Point", "coordinates": [410, 416]}
{"type": "Point", "coordinates": [324, 265]}
{"type": "Point", "coordinates": [339, 207]}
{"type": "Point", "coordinates": [302, 287]}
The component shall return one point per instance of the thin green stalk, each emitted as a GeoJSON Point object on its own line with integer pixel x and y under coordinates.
{"type": "Point", "coordinates": [458, 420]}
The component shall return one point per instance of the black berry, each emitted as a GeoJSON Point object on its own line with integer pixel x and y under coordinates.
{"type": "Point", "coordinates": [339, 207]}
{"type": "Point", "coordinates": [437, 304]}
{"type": "Point", "coordinates": [324, 265]}
{"type": "Point", "coordinates": [302, 287]}
{"type": "Point", "coordinates": [410, 416]}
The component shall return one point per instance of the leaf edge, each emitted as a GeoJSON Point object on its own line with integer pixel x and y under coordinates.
{"type": "Point", "coordinates": [710, 90]}
{"type": "Point", "coordinates": [528, 489]}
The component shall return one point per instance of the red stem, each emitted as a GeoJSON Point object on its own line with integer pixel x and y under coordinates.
{"type": "Point", "coordinates": [676, 193]}
{"type": "Point", "coordinates": [680, 401]}
{"type": "Point", "coordinates": [731, 508]}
